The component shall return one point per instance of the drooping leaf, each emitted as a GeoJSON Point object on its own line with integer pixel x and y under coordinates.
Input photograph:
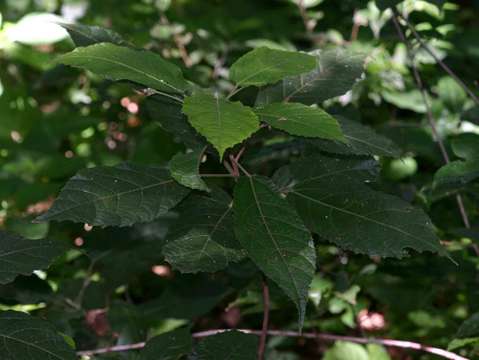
{"type": "Point", "coordinates": [222, 122]}
{"type": "Point", "coordinates": [301, 120]}
{"type": "Point", "coordinates": [263, 66]}
{"type": "Point", "coordinates": [460, 172]}
{"type": "Point", "coordinates": [23, 337]}
{"type": "Point", "coordinates": [343, 350]}
{"type": "Point", "coordinates": [332, 199]}
{"type": "Point", "coordinates": [231, 345]}
{"type": "Point", "coordinates": [469, 328]}
{"type": "Point", "coordinates": [184, 168]}
{"type": "Point", "coordinates": [169, 346]}
{"type": "Point", "coordinates": [116, 196]}
{"type": "Point", "coordinates": [335, 73]}
{"type": "Point", "coordinates": [362, 140]}
{"type": "Point", "coordinates": [275, 238]}
{"type": "Point", "coordinates": [168, 113]}
{"type": "Point", "coordinates": [203, 237]}
{"type": "Point", "coordinates": [122, 63]}
{"type": "Point", "coordinates": [84, 35]}
{"type": "Point", "coordinates": [20, 256]}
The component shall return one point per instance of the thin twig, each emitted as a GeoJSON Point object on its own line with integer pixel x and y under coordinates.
{"type": "Point", "coordinates": [264, 330]}
{"type": "Point", "coordinates": [446, 68]}
{"type": "Point", "coordinates": [430, 117]}
{"type": "Point", "coordinates": [319, 336]}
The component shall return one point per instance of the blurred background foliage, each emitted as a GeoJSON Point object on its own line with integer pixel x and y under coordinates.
{"type": "Point", "coordinates": [115, 288]}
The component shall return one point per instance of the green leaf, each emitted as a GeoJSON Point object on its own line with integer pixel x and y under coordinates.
{"type": "Point", "coordinates": [459, 343]}
{"type": "Point", "coordinates": [22, 256]}
{"type": "Point", "coordinates": [116, 196]}
{"type": "Point", "coordinates": [83, 35]}
{"type": "Point", "coordinates": [169, 346]}
{"type": "Point", "coordinates": [469, 328]}
{"type": "Point", "coordinates": [332, 199]}
{"type": "Point", "coordinates": [231, 345]}
{"type": "Point", "coordinates": [168, 113]}
{"type": "Point", "coordinates": [263, 66]}
{"type": "Point", "coordinates": [122, 63]}
{"type": "Point", "coordinates": [343, 350]}
{"type": "Point", "coordinates": [222, 122]}
{"type": "Point", "coordinates": [275, 238]}
{"type": "Point", "coordinates": [301, 120]}
{"type": "Point", "coordinates": [458, 173]}
{"type": "Point", "coordinates": [23, 337]}
{"type": "Point", "coordinates": [362, 140]}
{"type": "Point", "coordinates": [184, 168]}
{"type": "Point", "coordinates": [335, 73]}
{"type": "Point", "coordinates": [203, 237]}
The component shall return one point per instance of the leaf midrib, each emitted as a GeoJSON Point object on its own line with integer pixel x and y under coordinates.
{"type": "Point", "coordinates": [161, 81]}
{"type": "Point", "coordinates": [106, 197]}
{"type": "Point", "coordinates": [362, 217]}
{"type": "Point", "coordinates": [276, 245]}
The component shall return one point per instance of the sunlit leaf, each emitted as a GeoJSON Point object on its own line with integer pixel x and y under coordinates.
{"type": "Point", "coordinates": [123, 63]}
{"type": "Point", "coordinates": [222, 122]}
{"type": "Point", "coordinates": [263, 66]}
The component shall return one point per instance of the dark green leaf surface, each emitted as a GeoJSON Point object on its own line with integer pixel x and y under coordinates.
{"type": "Point", "coordinates": [231, 345]}
{"type": "Point", "coordinates": [469, 328]}
{"type": "Point", "coordinates": [458, 173]}
{"type": "Point", "coordinates": [263, 66]}
{"type": "Point", "coordinates": [203, 237]}
{"type": "Point", "coordinates": [362, 140]}
{"type": "Point", "coordinates": [184, 168]}
{"type": "Point", "coordinates": [301, 120]}
{"type": "Point", "coordinates": [23, 337]}
{"type": "Point", "coordinates": [275, 238]}
{"type": "Point", "coordinates": [335, 73]}
{"type": "Point", "coordinates": [83, 35]}
{"type": "Point", "coordinates": [338, 207]}
{"type": "Point", "coordinates": [20, 256]}
{"type": "Point", "coordinates": [121, 63]}
{"type": "Point", "coordinates": [169, 114]}
{"type": "Point", "coordinates": [116, 196]}
{"type": "Point", "coordinates": [169, 346]}
{"type": "Point", "coordinates": [222, 122]}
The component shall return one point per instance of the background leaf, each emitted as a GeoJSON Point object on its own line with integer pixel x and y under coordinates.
{"type": "Point", "coordinates": [168, 346]}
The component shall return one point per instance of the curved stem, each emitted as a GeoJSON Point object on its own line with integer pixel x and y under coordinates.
{"type": "Point", "coordinates": [318, 336]}
{"type": "Point", "coordinates": [446, 68]}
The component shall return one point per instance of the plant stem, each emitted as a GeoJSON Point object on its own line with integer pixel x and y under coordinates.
{"type": "Point", "coordinates": [318, 336]}
{"type": "Point", "coordinates": [446, 68]}
{"type": "Point", "coordinates": [430, 117]}
{"type": "Point", "coordinates": [264, 330]}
